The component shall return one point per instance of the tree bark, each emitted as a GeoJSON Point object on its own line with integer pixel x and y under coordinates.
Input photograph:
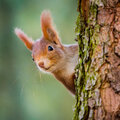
{"type": "Point", "coordinates": [98, 71]}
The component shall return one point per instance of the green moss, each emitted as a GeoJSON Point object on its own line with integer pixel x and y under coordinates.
{"type": "Point", "coordinates": [86, 74]}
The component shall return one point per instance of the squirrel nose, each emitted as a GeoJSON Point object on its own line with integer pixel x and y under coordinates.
{"type": "Point", "coordinates": [41, 64]}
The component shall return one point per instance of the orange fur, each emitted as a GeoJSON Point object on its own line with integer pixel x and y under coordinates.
{"type": "Point", "coordinates": [48, 30]}
{"type": "Point", "coordinates": [46, 22]}
{"type": "Point", "coordinates": [27, 41]}
{"type": "Point", "coordinates": [60, 61]}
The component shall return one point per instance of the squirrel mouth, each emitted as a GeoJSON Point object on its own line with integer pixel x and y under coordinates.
{"type": "Point", "coordinates": [46, 68]}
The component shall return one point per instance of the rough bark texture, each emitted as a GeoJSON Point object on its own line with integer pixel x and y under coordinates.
{"type": "Point", "coordinates": [98, 72]}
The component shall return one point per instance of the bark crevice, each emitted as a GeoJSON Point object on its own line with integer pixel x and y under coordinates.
{"type": "Point", "coordinates": [98, 71]}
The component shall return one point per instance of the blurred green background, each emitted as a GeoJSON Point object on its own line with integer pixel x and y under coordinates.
{"type": "Point", "coordinates": [25, 92]}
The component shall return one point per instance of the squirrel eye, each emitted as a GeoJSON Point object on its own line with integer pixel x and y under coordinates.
{"type": "Point", "coordinates": [33, 59]}
{"type": "Point", "coordinates": [50, 48]}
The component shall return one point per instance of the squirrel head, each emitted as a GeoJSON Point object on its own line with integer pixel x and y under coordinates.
{"type": "Point", "coordinates": [48, 51]}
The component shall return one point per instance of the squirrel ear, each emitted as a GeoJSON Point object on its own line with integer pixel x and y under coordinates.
{"type": "Point", "coordinates": [48, 30]}
{"type": "Point", "coordinates": [27, 41]}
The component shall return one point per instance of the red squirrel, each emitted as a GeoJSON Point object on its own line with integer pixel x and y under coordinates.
{"type": "Point", "coordinates": [50, 55]}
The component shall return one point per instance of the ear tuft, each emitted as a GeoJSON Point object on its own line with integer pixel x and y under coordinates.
{"type": "Point", "coordinates": [22, 36]}
{"type": "Point", "coordinates": [46, 22]}
{"type": "Point", "coordinates": [48, 29]}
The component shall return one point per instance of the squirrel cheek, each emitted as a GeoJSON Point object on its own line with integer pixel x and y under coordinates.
{"type": "Point", "coordinates": [47, 63]}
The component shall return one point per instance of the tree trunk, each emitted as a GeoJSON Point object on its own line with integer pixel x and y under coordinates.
{"type": "Point", "coordinates": [98, 71]}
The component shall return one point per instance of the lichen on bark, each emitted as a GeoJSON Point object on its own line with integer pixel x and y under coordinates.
{"type": "Point", "coordinates": [97, 74]}
{"type": "Point", "coordinates": [86, 71]}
